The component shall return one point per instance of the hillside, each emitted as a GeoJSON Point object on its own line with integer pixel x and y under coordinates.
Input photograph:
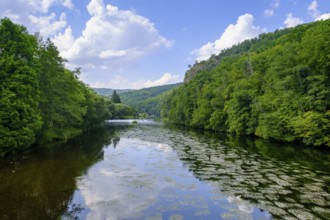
{"type": "Point", "coordinates": [261, 43]}
{"type": "Point", "coordinates": [108, 92]}
{"type": "Point", "coordinates": [276, 86]}
{"type": "Point", "coordinates": [146, 100]}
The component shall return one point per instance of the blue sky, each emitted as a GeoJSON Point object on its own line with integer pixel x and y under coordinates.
{"type": "Point", "coordinates": [142, 43]}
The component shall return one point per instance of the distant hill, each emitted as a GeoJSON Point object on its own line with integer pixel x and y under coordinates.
{"type": "Point", "coordinates": [144, 100]}
{"type": "Point", "coordinates": [108, 92]}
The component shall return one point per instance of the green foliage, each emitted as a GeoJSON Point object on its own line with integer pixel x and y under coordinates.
{"type": "Point", "coordinates": [313, 127]}
{"type": "Point", "coordinates": [147, 100]}
{"type": "Point", "coordinates": [277, 87]}
{"type": "Point", "coordinates": [40, 100]}
{"type": "Point", "coordinates": [115, 97]}
{"type": "Point", "coordinates": [122, 111]}
{"type": "Point", "coordinates": [62, 101]}
{"type": "Point", "coordinates": [20, 118]}
{"type": "Point", "coordinates": [97, 109]}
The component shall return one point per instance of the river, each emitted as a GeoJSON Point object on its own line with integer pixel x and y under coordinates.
{"type": "Point", "coordinates": [151, 171]}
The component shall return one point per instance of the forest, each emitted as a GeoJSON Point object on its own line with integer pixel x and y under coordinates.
{"type": "Point", "coordinates": [275, 87]}
{"type": "Point", "coordinates": [40, 100]}
{"type": "Point", "coordinates": [146, 100]}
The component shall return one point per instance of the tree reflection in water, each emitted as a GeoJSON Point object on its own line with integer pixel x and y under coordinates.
{"type": "Point", "coordinates": [41, 185]}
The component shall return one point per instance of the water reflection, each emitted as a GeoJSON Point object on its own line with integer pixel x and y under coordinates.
{"type": "Point", "coordinates": [160, 173]}
{"type": "Point", "coordinates": [41, 185]}
{"type": "Point", "coordinates": [148, 171]}
{"type": "Point", "coordinates": [145, 179]}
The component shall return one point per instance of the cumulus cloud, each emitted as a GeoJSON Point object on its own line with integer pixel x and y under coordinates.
{"type": "Point", "coordinates": [323, 17]}
{"type": "Point", "coordinates": [235, 33]}
{"type": "Point", "coordinates": [64, 40]}
{"type": "Point", "coordinates": [23, 7]}
{"type": "Point", "coordinates": [48, 25]}
{"type": "Point", "coordinates": [111, 37]}
{"type": "Point", "coordinates": [119, 82]}
{"type": "Point", "coordinates": [315, 13]}
{"type": "Point", "coordinates": [35, 14]}
{"type": "Point", "coordinates": [167, 78]}
{"type": "Point", "coordinates": [291, 21]}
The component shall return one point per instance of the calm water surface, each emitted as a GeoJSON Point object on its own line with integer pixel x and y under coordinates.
{"type": "Point", "coordinates": [149, 171]}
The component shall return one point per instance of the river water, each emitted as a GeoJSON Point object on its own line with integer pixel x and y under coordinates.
{"type": "Point", "coordinates": [151, 171]}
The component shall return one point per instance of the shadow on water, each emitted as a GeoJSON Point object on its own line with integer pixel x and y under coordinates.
{"type": "Point", "coordinates": [40, 185]}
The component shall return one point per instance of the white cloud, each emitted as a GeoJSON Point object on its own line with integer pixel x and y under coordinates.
{"type": "Point", "coordinates": [167, 78]}
{"type": "Point", "coordinates": [110, 39]}
{"type": "Point", "coordinates": [112, 53]}
{"type": "Point", "coordinates": [119, 82]}
{"type": "Point", "coordinates": [95, 7]}
{"type": "Point", "coordinates": [45, 5]}
{"type": "Point", "coordinates": [35, 14]}
{"type": "Point", "coordinates": [64, 41]}
{"type": "Point", "coordinates": [235, 33]}
{"type": "Point", "coordinates": [315, 12]}
{"type": "Point", "coordinates": [47, 25]}
{"type": "Point", "coordinates": [291, 21]}
{"type": "Point", "coordinates": [270, 12]}
{"type": "Point", "coordinates": [67, 3]}
{"type": "Point", "coordinates": [323, 17]}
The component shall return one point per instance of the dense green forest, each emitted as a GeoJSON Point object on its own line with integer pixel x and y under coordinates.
{"type": "Point", "coordinates": [275, 87]}
{"type": "Point", "coordinates": [40, 100]}
{"type": "Point", "coordinates": [146, 100]}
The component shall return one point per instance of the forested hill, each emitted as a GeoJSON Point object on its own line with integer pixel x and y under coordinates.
{"type": "Point", "coordinates": [147, 100]}
{"type": "Point", "coordinates": [276, 86]}
{"type": "Point", "coordinates": [40, 100]}
{"type": "Point", "coordinates": [261, 43]}
{"type": "Point", "coordinates": [108, 92]}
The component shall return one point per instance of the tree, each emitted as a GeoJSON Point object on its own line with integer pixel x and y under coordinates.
{"type": "Point", "coordinates": [40, 100]}
{"type": "Point", "coordinates": [19, 92]}
{"type": "Point", "coordinates": [275, 87]}
{"type": "Point", "coordinates": [115, 97]}
{"type": "Point", "coordinates": [63, 103]}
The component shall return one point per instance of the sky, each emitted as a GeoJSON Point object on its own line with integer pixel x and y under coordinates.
{"type": "Point", "coordinates": [133, 44]}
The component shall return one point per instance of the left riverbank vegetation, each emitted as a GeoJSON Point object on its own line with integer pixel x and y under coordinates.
{"type": "Point", "coordinates": [40, 100]}
{"type": "Point", "coordinates": [275, 87]}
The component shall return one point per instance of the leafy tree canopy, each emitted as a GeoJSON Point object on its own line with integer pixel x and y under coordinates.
{"type": "Point", "coordinates": [40, 100]}
{"type": "Point", "coordinates": [276, 86]}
